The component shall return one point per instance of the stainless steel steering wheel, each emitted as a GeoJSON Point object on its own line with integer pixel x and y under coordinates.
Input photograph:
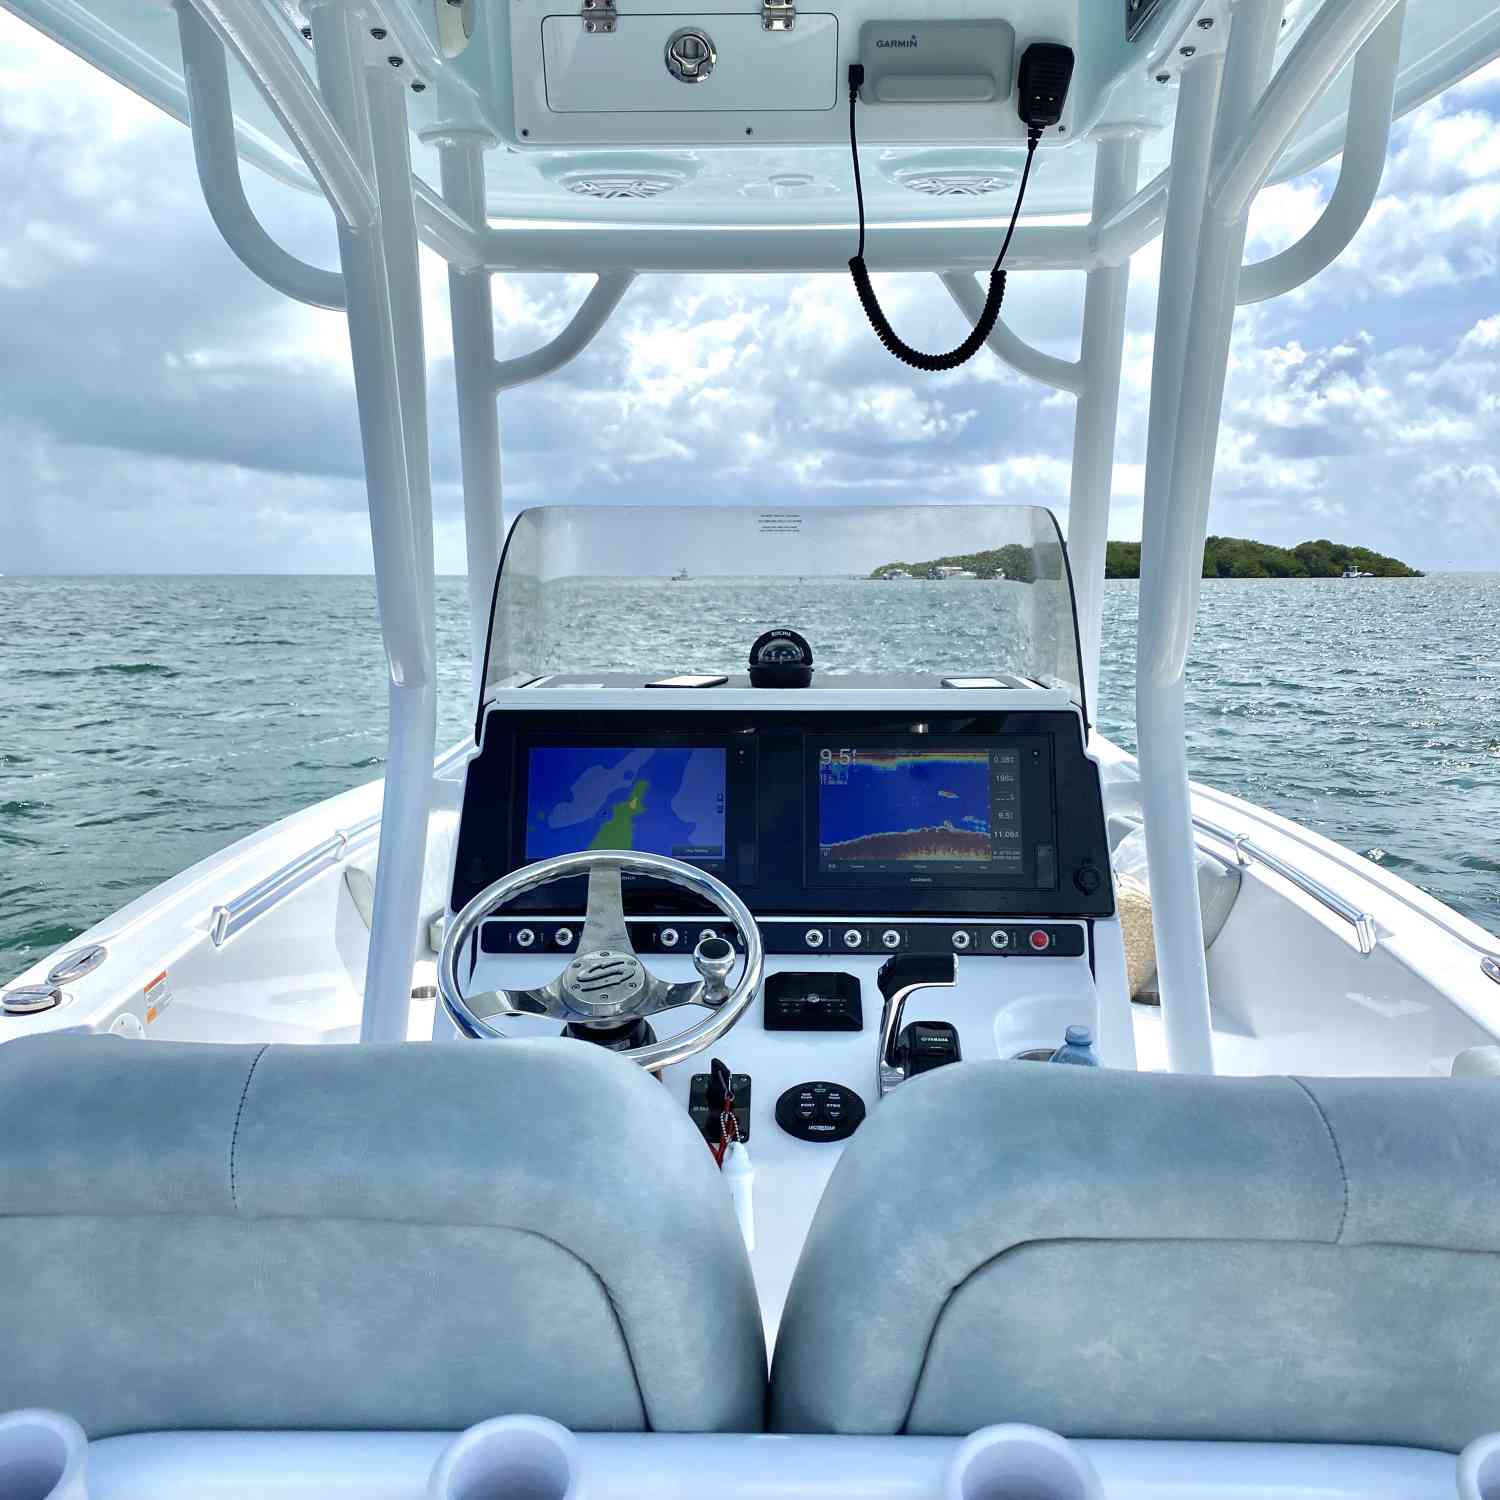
{"type": "Point", "coordinates": [606, 983]}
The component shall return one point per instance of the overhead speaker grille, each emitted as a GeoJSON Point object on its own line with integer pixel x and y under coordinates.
{"type": "Point", "coordinates": [959, 184]}
{"type": "Point", "coordinates": [620, 185]}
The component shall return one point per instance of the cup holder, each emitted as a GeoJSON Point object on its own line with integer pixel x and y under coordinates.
{"type": "Point", "coordinates": [508, 1458]}
{"type": "Point", "coordinates": [1479, 1469]}
{"type": "Point", "coordinates": [1014, 1462]}
{"type": "Point", "coordinates": [43, 1455]}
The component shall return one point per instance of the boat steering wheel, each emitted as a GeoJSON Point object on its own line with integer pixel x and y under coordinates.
{"type": "Point", "coordinates": [606, 985]}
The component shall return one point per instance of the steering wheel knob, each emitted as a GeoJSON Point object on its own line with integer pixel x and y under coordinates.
{"type": "Point", "coordinates": [604, 984]}
{"type": "Point", "coordinates": [714, 959]}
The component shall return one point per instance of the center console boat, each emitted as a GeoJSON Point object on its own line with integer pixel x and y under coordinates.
{"type": "Point", "coordinates": [796, 1055]}
{"type": "Point", "coordinates": [910, 866]}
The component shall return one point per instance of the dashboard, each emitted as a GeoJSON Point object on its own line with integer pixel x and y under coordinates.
{"type": "Point", "coordinates": [957, 827]}
{"type": "Point", "coordinates": [914, 828]}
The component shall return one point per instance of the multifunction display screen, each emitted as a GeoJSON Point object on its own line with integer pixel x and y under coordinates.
{"type": "Point", "coordinates": [652, 800]}
{"type": "Point", "coordinates": [900, 813]}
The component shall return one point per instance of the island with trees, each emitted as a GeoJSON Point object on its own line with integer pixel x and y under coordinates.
{"type": "Point", "coordinates": [1234, 557]}
{"type": "Point", "coordinates": [1223, 557]}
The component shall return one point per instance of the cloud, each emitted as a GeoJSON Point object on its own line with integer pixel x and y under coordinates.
{"type": "Point", "coordinates": [160, 408]}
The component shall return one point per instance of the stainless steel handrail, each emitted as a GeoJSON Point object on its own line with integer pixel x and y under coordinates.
{"type": "Point", "coordinates": [1248, 852]}
{"type": "Point", "coordinates": [230, 917]}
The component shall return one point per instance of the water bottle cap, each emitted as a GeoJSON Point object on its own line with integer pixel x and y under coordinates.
{"type": "Point", "coordinates": [1079, 1036]}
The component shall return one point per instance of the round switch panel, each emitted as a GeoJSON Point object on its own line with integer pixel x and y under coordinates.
{"type": "Point", "coordinates": [820, 1111]}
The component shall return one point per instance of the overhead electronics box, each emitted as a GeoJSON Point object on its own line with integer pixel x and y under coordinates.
{"type": "Point", "coordinates": [605, 76]}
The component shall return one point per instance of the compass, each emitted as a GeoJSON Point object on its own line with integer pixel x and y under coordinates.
{"type": "Point", "coordinates": [781, 659]}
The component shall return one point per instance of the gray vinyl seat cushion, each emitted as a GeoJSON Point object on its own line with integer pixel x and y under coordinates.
{"type": "Point", "coordinates": [1121, 1255]}
{"type": "Point", "coordinates": [366, 1237]}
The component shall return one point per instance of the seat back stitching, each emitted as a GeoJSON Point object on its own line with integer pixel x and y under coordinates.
{"type": "Point", "coordinates": [1338, 1155]}
{"type": "Point", "coordinates": [238, 1114]}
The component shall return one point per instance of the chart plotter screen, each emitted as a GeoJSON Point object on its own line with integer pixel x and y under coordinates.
{"type": "Point", "coordinates": [654, 800]}
{"type": "Point", "coordinates": [908, 813]}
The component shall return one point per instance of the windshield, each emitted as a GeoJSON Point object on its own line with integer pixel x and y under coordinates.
{"type": "Point", "coordinates": [892, 591]}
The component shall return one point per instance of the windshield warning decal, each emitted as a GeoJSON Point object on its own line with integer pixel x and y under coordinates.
{"type": "Point", "coordinates": [780, 521]}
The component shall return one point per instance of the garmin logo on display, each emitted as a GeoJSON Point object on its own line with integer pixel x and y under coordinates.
{"type": "Point", "coordinates": [898, 42]}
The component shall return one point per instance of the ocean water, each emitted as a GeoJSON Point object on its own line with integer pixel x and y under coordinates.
{"type": "Point", "coordinates": [146, 722]}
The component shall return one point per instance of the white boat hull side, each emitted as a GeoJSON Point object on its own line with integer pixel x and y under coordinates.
{"type": "Point", "coordinates": [291, 969]}
{"type": "Point", "coordinates": [1291, 988]}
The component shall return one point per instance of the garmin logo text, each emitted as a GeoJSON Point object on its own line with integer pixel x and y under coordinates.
{"type": "Point", "coordinates": [897, 42]}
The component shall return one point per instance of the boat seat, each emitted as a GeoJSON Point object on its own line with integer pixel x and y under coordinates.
{"type": "Point", "coordinates": [1124, 1255]}
{"type": "Point", "coordinates": [367, 1237]}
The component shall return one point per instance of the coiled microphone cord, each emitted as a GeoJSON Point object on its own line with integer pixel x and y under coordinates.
{"type": "Point", "coordinates": [990, 314]}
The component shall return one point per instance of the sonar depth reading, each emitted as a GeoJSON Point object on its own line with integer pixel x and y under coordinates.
{"type": "Point", "coordinates": [909, 812]}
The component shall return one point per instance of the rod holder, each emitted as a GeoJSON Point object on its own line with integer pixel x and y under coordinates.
{"type": "Point", "coordinates": [519, 1457]}
{"type": "Point", "coordinates": [1016, 1462]}
{"type": "Point", "coordinates": [1479, 1469]}
{"type": "Point", "coordinates": [43, 1456]}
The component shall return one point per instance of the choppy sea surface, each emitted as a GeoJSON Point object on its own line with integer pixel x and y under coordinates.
{"type": "Point", "coordinates": [147, 722]}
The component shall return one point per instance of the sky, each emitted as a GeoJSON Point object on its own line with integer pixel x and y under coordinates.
{"type": "Point", "coordinates": [163, 411]}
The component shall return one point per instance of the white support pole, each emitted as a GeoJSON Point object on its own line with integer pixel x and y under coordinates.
{"type": "Point", "coordinates": [1332, 37]}
{"type": "Point", "coordinates": [1200, 271]}
{"type": "Point", "coordinates": [1101, 356]}
{"type": "Point", "coordinates": [536, 244]}
{"type": "Point", "coordinates": [1134, 224]}
{"type": "Point", "coordinates": [472, 309]}
{"type": "Point", "coordinates": [205, 75]}
{"type": "Point", "coordinates": [391, 142]}
{"type": "Point", "coordinates": [593, 313]}
{"type": "Point", "coordinates": [385, 336]}
{"type": "Point", "coordinates": [1372, 98]}
{"type": "Point", "coordinates": [1007, 345]}
{"type": "Point", "coordinates": [254, 33]}
{"type": "Point", "coordinates": [460, 241]}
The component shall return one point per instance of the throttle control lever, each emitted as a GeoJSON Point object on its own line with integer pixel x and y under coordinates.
{"type": "Point", "coordinates": [899, 977]}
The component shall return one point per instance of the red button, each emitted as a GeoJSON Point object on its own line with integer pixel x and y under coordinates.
{"type": "Point", "coordinates": [1041, 940]}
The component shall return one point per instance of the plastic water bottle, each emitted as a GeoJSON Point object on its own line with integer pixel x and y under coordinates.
{"type": "Point", "coordinates": [1077, 1047]}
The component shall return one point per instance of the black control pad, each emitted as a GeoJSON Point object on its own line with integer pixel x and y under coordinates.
{"type": "Point", "coordinates": [706, 1104]}
{"type": "Point", "coordinates": [813, 1002]}
{"type": "Point", "coordinates": [820, 1111]}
